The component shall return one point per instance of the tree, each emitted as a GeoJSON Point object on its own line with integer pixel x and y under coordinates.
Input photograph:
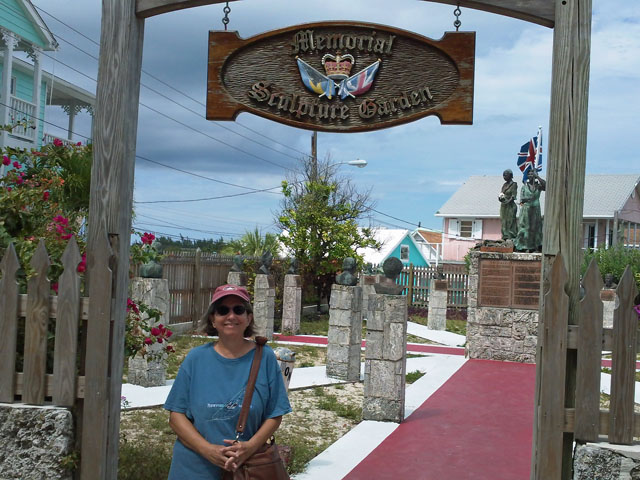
{"type": "Point", "coordinates": [253, 244]}
{"type": "Point", "coordinates": [319, 219]}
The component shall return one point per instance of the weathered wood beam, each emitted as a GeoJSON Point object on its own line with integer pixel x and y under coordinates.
{"type": "Point", "coordinates": [534, 11]}
{"type": "Point", "coordinates": [112, 177]}
{"type": "Point", "coordinates": [565, 184]}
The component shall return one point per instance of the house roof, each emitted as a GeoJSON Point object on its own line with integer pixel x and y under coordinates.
{"type": "Point", "coordinates": [430, 236]}
{"type": "Point", "coordinates": [478, 196]}
{"type": "Point", "coordinates": [388, 238]}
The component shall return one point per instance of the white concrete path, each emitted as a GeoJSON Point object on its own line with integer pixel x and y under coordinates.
{"type": "Point", "coordinates": [440, 336]}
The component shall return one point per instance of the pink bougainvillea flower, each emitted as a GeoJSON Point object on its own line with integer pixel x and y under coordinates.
{"type": "Point", "coordinates": [16, 165]}
{"type": "Point", "coordinates": [155, 331]}
{"type": "Point", "coordinates": [57, 142]}
{"type": "Point", "coordinates": [82, 266]}
{"type": "Point", "coordinates": [148, 341]}
{"type": "Point", "coordinates": [66, 236]}
{"type": "Point", "coordinates": [170, 349]}
{"type": "Point", "coordinates": [8, 189]}
{"type": "Point", "coordinates": [79, 144]}
{"type": "Point", "coordinates": [45, 196]}
{"type": "Point", "coordinates": [6, 160]}
{"type": "Point", "coordinates": [147, 238]}
{"type": "Point", "coordinates": [159, 339]}
{"type": "Point", "coordinates": [637, 309]}
{"type": "Point", "coordinates": [19, 181]}
{"type": "Point", "coordinates": [168, 333]}
{"type": "Point", "coordinates": [54, 287]}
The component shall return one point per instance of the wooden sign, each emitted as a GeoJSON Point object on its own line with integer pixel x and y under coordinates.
{"type": "Point", "coordinates": [341, 76]}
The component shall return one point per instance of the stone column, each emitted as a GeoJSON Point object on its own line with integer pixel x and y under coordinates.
{"type": "Point", "coordinates": [237, 278]}
{"type": "Point", "coordinates": [153, 292]}
{"type": "Point", "coordinates": [291, 304]}
{"type": "Point", "coordinates": [385, 359]}
{"type": "Point", "coordinates": [608, 297]}
{"type": "Point", "coordinates": [345, 333]}
{"type": "Point", "coordinates": [437, 316]}
{"type": "Point", "coordinates": [367, 283]}
{"type": "Point", "coordinates": [264, 304]}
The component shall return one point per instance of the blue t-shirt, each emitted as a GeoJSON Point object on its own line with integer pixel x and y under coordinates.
{"type": "Point", "coordinates": [209, 390]}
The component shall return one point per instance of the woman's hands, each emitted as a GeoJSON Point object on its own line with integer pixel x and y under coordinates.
{"type": "Point", "coordinates": [216, 454]}
{"type": "Point", "coordinates": [237, 453]}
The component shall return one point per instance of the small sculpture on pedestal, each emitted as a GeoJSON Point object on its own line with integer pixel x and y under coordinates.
{"type": "Point", "coordinates": [529, 238]}
{"type": "Point", "coordinates": [348, 275]}
{"type": "Point", "coordinates": [238, 260]}
{"type": "Point", "coordinates": [391, 267]}
{"type": "Point", "coordinates": [293, 266]}
{"type": "Point", "coordinates": [508, 209]}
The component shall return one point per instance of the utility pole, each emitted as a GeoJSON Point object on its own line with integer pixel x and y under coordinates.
{"type": "Point", "coordinates": [314, 155]}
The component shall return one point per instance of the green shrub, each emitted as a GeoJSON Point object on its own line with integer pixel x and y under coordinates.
{"type": "Point", "coordinates": [613, 261]}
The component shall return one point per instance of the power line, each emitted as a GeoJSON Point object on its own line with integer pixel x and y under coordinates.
{"type": "Point", "coordinates": [176, 90]}
{"type": "Point", "coordinates": [395, 218]}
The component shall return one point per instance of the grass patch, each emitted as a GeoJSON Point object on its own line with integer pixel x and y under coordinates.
{"type": "Point", "coordinates": [182, 345]}
{"type": "Point", "coordinates": [413, 376]}
{"type": "Point", "coordinates": [327, 401]}
{"type": "Point", "coordinates": [314, 325]}
{"type": "Point", "coordinates": [457, 326]}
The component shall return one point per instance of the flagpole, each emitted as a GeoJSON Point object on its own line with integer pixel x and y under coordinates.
{"type": "Point", "coordinates": [539, 149]}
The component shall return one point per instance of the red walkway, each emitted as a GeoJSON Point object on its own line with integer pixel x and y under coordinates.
{"type": "Point", "coordinates": [477, 426]}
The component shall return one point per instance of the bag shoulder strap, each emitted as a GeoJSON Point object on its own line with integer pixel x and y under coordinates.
{"type": "Point", "coordinates": [251, 383]}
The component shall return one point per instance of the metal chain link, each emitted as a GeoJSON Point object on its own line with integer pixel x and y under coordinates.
{"type": "Point", "coordinates": [225, 20]}
{"type": "Point", "coordinates": [457, 12]}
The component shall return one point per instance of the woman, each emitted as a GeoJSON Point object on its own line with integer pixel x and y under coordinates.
{"type": "Point", "coordinates": [529, 237]}
{"type": "Point", "coordinates": [508, 207]}
{"type": "Point", "coordinates": [206, 397]}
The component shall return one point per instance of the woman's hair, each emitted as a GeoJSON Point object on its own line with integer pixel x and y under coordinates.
{"type": "Point", "coordinates": [207, 327]}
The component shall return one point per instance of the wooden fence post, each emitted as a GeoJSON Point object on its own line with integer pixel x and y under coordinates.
{"type": "Point", "coordinates": [552, 372]}
{"type": "Point", "coordinates": [623, 365]}
{"type": "Point", "coordinates": [36, 324]}
{"type": "Point", "coordinates": [8, 323]}
{"type": "Point", "coordinates": [196, 299]}
{"type": "Point", "coordinates": [410, 286]}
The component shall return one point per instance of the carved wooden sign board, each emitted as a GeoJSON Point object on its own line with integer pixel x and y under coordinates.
{"type": "Point", "coordinates": [341, 76]}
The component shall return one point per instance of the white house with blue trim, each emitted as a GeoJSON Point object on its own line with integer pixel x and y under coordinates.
{"type": "Point", "coordinates": [25, 89]}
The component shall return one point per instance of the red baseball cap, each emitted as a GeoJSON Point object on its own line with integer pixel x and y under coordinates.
{"type": "Point", "coordinates": [226, 290]}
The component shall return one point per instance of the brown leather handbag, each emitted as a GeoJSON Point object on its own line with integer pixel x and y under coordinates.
{"type": "Point", "coordinates": [265, 463]}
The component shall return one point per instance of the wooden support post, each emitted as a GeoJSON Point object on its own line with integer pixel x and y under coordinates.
{"type": "Point", "coordinates": [114, 145]}
{"type": "Point", "coordinates": [196, 298]}
{"type": "Point", "coordinates": [410, 286]}
{"type": "Point", "coordinates": [565, 185]}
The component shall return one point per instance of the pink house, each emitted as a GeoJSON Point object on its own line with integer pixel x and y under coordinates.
{"type": "Point", "coordinates": [472, 214]}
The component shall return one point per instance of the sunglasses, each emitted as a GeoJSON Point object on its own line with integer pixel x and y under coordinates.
{"type": "Point", "coordinates": [223, 310]}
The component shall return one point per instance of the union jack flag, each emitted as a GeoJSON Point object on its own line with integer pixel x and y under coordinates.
{"type": "Point", "coordinates": [360, 82]}
{"type": "Point", "coordinates": [530, 155]}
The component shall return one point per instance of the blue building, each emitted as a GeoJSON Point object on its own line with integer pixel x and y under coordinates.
{"type": "Point", "coordinates": [25, 89]}
{"type": "Point", "coordinates": [420, 247]}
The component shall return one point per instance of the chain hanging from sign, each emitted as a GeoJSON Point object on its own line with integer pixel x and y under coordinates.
{"type": "Point", "coordinates": [225, 20]}
{"type": "Point", "coordinates": [341, 76]}
{"type": "Point", "coordinates": [456, 23]}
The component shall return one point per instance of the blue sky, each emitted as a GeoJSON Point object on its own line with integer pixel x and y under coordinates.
{"type": "Point", "coordinates": [413, 169]}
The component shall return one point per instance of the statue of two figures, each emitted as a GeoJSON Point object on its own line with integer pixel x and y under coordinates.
{"type": "Point", "coordinates": [524, 231]}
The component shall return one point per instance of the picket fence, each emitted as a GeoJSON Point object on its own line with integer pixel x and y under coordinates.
{"type": "Point", "coordinates": [416, 282]}
{"type": "Point", "coordinates": [79, 376]}
{"type": "Point", "coordinates": [587, 421]}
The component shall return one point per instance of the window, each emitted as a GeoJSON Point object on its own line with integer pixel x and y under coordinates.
{"type": "Point", "coordinates": [404, 253]}
{"type": "Point", "coordinates": [466, 228]}
{"type": "Point", "coordinates": [14, 83]}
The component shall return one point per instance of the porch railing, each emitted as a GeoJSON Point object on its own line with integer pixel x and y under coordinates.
{"type": "Point", "coordinates": [23, 115]}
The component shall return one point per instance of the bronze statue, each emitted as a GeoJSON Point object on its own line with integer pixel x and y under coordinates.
{"type": "Point", "coordinates": [392, 267]}
{"type": "Point", "coordinates": [348, 275]}
{"type": "Point", "coordinates": [529, 238]}
{"type": "Point", "coordinates": [267, 260]}
{"type": "Point", "coordinates": [508, 207]}
{"type": "Point", "coordinates": [238, 260]}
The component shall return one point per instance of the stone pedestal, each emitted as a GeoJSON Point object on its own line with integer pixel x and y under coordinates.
{"type": "Point", "coordinates": [502, 313]}
{"type": "Point", "coordinates": [605, 461]}
{"type": "Point", "coordinates": [147, 371]}
{"type": "Point", "coordinates": [608, 297]}
{"type": "Point", "coordinates": [291, 304]}
{"type": "Point", "coordinates": [367, 283]}
{"type": "Point", "coordinates": [345, 333]}
{"type": "Point", "coordinates": [385, 359]}
{"type": "Point", "coordinates": [264, 305]}
{"type": "Point", "coordinates": [34, 441]}
{"type": "Point", "coordinates": [437, 316]}
{"type": "Point", "coordinates": [153, 292]}
{"type": "Point", "coordinates": [237, 278]}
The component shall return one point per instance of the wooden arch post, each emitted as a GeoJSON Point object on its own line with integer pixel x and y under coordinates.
{"type": "Point", "coordinates": [114, 134]}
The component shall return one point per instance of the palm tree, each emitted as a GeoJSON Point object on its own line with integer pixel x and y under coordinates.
{"type": "Point", "coordinates": [253, 244]}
